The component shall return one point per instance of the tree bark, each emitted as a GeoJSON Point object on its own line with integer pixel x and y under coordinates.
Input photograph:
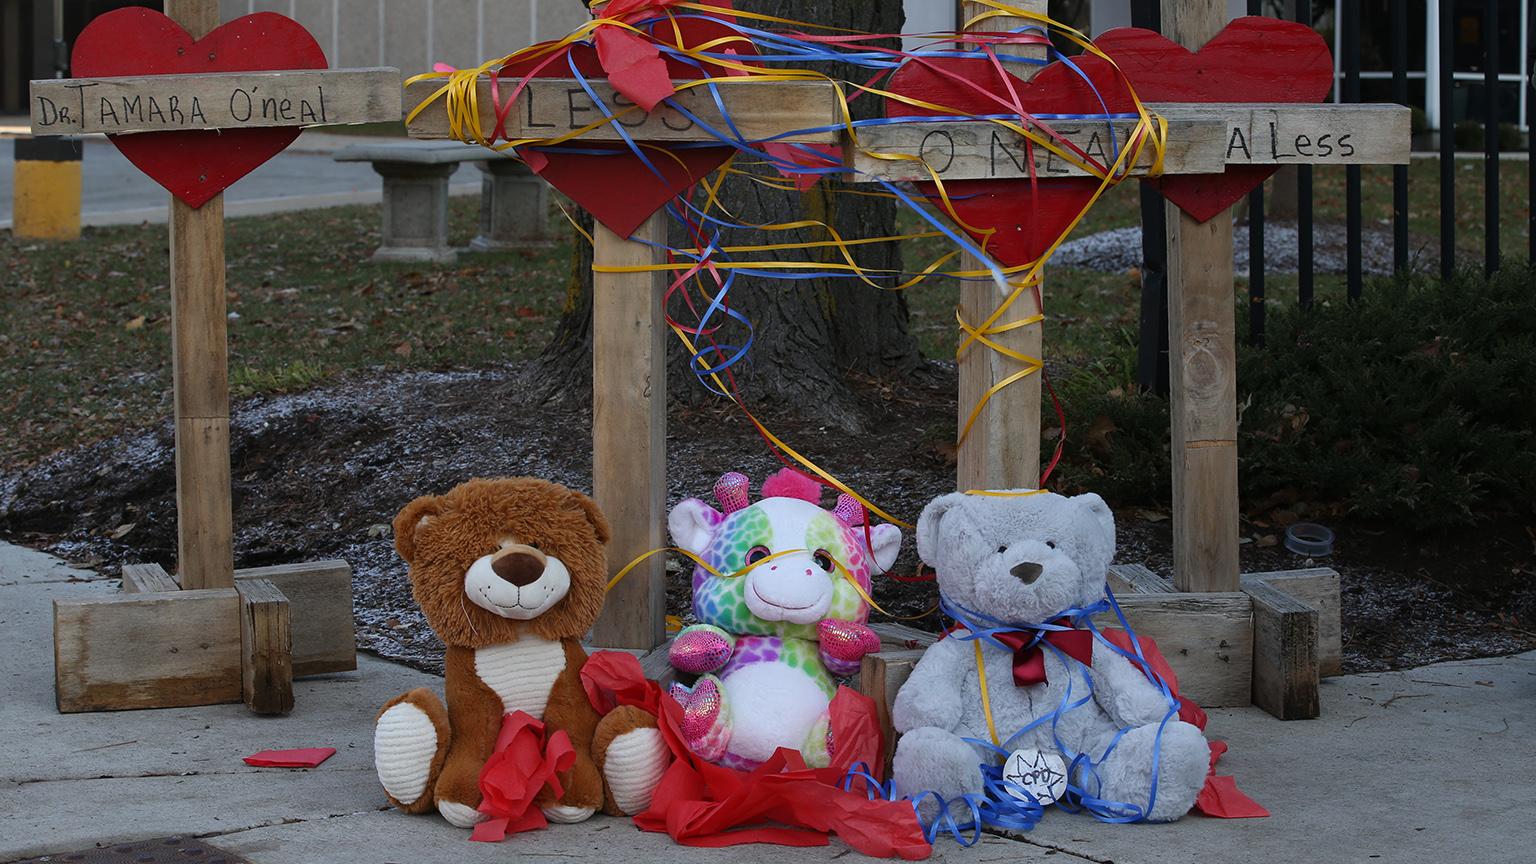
{"type": "Point", "coordinates": [809, 335]}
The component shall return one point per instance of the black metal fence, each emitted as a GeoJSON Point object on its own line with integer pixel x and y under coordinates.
{"type": "Point", "coordinates": [1153, 359]}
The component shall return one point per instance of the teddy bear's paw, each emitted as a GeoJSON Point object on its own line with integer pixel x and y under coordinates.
{"type": "Point", "coordinates": [460, 815]}
{"type": "Point", "coordinates": [1183, 757]}
{"type": "Point", "coordinates": [633, 764]}
{"type": "Point", "coordinates": [406, 746]}
{"type": "Point", "coordinates": [706, 725]}
{"type": "Point", "coordinates": [564, 815]}
{"type": "Point", "coordinates": [930, 759]}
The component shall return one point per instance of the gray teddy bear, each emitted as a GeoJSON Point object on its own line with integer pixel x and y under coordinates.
{"type": "Point", "coordinates": [1024, 559]}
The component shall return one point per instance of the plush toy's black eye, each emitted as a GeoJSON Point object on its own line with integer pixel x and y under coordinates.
{"type": "Point", "coordinates": [756, 554]}
{"type": "Point", "coordinates": [1051, 544]}
{"type": "Point", "coordinates": [1002, 549]}
{"type": "Point", "coordinates": [823, 560]}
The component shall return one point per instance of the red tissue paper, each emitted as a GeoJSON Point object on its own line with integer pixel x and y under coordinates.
{"type": "Point", "coordinates": [523, 762]}
{"type": "Point", "coordinates": [307, 757]}
{"type": "Point", "coordinates": [782, 801]}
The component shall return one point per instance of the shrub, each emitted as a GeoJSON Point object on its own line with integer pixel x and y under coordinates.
{"type": "Point", "coordinates": [1417, 402]}
{"type": "Point", "coordinates": [1469, 135]}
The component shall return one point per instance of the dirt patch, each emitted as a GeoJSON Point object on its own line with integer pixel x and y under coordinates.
{"type": "Point", "coordinates": [321, 474]}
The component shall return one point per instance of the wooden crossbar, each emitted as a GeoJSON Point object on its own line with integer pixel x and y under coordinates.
{"type": "Point", "coordinates": [551, 107]}
{"type": "Point", "coordinates": [220, 100]}
{"type": "Point", "coordinates": [982, 150]}
{"type": "Point", "coordinates": [1202, 138]}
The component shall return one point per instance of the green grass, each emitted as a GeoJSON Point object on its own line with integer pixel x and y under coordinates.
{"type": "Point", "coordinates": [85, 342]}
{"type": "Point", "coordinates": [85, 339]}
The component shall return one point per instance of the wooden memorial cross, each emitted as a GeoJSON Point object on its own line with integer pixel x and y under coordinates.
{"type": "Point", "coordinates": [212, 634]}
{"type": "Point", "coordinates": [1285, 626]}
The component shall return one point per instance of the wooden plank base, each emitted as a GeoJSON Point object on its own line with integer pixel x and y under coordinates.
{"type": "Point", "coordinates": [1284, 653]}
{"type": "Point", "coordinates": [320, 596]}
{"type": "Point", "coordinates": [1206, 637]}
{"type": "Point", "coordinates": [1319, 587]}
{"type": "Point", "coordinates": [266, 648]}
{"type": "Point", "coordinates": [150, 650]}
{"type": "Point", "coordinates": [1316, 586]}
{"type": "Point", "coordinates": [880, 677]}
{"type": "Point", "coordinates": [1296, 630]}
{"type": "Point", "coordinates": [187, 645]}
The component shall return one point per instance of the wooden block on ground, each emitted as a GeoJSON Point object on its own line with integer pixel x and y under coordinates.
{"type": "Point", "coordinates": [147, 579]}
{"type": "Point", "coordinates": [1207, 638]}
{"type": "Point", "coordinates": [880, 678]}
{"type": "Point", "coordinates": [1284, 653]}
{"type": "Point", "coordinates": [266, 645]}
{"type": "Point", "coordinates": [320, 608]}
{"type": "Point", "coordinates": [1319, 587]}
{"type": "Point", "coordinates": [149, 650]}
{"type": "Point", "coordinates": [1137, 579]}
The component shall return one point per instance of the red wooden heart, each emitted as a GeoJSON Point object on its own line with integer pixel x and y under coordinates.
{"type": "Point", "coordinates": [1251, 60]}
{"type": "Point", "coordinates": [616, 187]}
{"type": "Point", "coordinates": [195, 165]}
{"type": "Point", "coordinates": [1028, 215]}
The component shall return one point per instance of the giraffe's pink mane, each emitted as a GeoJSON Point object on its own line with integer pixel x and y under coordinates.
{"type": "Point", "coordinates": [789, 483]}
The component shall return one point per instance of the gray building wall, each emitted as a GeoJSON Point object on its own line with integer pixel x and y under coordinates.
{"type": "Point", "coordinates": [411, 35]}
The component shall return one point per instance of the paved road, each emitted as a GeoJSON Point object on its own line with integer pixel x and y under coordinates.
{"type": "Point", "coordinates": [115, 192]}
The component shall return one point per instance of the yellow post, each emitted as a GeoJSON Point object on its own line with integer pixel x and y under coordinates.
{"type": "Point", "coordinates": [45, 203]}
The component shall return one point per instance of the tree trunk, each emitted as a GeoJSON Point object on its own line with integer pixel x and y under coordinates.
{"type": "Point", "coordinates": [809, 335]}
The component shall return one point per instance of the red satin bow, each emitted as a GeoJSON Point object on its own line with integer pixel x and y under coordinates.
{"type": "Point", "coordinates": [1029, 656]}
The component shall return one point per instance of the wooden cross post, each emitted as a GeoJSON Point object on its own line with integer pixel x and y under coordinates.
{"type": "Point", "coordinates": [628, 327]}
{"type": "Point", "coordinates": [212, 634]}
{"type": "Point", "coordinates": [1203, 352]}
{"type": "Point", "coordinates": [1002, 449]}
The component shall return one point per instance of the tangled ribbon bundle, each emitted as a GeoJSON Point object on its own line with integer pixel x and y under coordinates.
{"type": "Point", "coordinates": [654, 52]}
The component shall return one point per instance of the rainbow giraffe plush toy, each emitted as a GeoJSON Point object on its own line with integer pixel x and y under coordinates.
{"type": "Point", "coordinates": [773, 638]}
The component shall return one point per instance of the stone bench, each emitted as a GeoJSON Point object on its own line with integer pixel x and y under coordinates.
{"type": "Point", "coordinates": [514, 204]}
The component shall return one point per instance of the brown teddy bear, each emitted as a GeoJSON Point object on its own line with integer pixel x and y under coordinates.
{"type": "Point", "coordinates": [511, 575]}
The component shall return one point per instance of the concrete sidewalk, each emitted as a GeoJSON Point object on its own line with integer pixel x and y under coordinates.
{"type": "Point", "coordinates": [1431, 764]}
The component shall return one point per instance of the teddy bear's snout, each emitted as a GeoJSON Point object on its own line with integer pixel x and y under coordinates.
{"type": "Point", "coordinates": [518, 566]}
{"type": "Point", "coordinates": [1026, 572]}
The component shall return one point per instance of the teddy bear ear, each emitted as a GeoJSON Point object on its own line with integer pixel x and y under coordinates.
{"type": "Point", "coordinates": [410, 520]}
{"type": "Point", "coordinates": [929, 522]}
{"type": "Point", "coordinates": [595, 516]}
{"type": "Point", "coordinates": [1095, 505]}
